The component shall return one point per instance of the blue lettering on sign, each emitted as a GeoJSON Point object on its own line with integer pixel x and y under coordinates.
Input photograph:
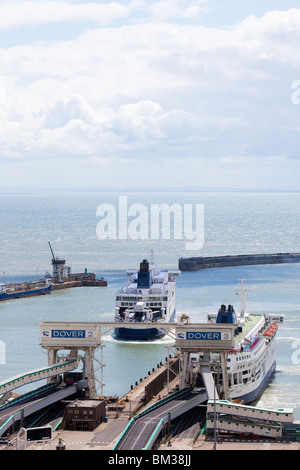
{"type": "Point", "coordinates": [68, 334]}
{"type": "Point", "coordinates": [204, 335]}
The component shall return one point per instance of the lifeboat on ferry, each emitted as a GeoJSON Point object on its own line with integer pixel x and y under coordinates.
{"type": "Point", "coordinates": [271, 330]}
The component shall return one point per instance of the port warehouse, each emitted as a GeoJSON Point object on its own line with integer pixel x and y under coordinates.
{"type": "Point", "coordinates": [199, 262]}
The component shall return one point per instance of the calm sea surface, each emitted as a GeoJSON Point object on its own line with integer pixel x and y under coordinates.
{"type": "Point", "coordinates": [234, 223]}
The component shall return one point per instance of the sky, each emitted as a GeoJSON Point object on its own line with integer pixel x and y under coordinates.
{"type": "Point", "coordinates": [149, 94]}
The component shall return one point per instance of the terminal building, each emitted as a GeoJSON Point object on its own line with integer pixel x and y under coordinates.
{"type": "Point", "coordinates": [84, 415]}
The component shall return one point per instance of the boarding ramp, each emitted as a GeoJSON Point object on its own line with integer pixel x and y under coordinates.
{"type": "Point", "coordinates": [209, 383]}
{"type": "Point", "coordinates": [238, 418]}
{"type": "Point", "coordinates": [238, 426]}
{"type": "Point", "coordinates": [281, 415]}
{"type": "Point", "coordinates": [143, 430]}
{"type": "Point", "coordinates": [18, 412]}
{"type": "Point", "coordinates": [37, 374]}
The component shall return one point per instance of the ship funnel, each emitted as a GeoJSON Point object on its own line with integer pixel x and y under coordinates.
{"type": "Point", "coordinates": [144, 279]}
{"type": "Point", "coordinates": [226, 316]}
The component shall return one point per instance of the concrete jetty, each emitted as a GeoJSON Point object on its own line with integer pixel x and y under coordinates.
{"type": "Point", "coordinates": [77, 280]}
{"type": "Point", "coordinates": [199, 262]}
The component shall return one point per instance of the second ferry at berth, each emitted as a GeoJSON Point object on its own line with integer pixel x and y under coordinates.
{"type": "Point", "coordinates": [252, 362]}
{"type": "Point", "coordinates": [148, 297]}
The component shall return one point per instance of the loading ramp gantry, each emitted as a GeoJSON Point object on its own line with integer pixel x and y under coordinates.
{"type": "Point", "coordinates": [12, 414]}
{"type": "Point", "coordinates": [37, 374]}
{"type": "Point", "coordinates": [143, 430]}
{"type": "Point", "coordinates": [239, 418]}
{"type": "Point", "coordinates": [24, 405]}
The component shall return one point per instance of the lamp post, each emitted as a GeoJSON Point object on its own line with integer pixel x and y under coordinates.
{"type": "Point", "coordinates": [215, 411]}
{"type": "Point", "coordinates": [215, 423]}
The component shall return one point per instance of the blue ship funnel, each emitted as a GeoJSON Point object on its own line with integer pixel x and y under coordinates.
{"type": "Point", "coordinates": [144, 275]}
{"type": "Point", "coordinates": [226, 316]}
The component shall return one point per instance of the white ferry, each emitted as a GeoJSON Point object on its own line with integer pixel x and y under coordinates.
{"type": "Point", "coordinates": [148, 297]}
{"type": "Point", "coordinates": [252, 362]}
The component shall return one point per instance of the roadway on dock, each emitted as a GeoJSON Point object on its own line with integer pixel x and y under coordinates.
{"type": "Point", "coordinates": [140, 433]}
{"type": "Point", "coordinates": [12, 414]}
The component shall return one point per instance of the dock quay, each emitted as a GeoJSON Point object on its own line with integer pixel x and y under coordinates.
{"type": "Point", "coordinates": [186, 439]}
{"type": "Point", "coordinates": [199, 262]}
{"type": "Point", "coordinates": [46, 285]}
{"type": "Point", "coordinates": [62, 278]}
{"type": "Point", "coordinates": [165, 409]}
{"type": "Point", "coordinates": [77, 280]}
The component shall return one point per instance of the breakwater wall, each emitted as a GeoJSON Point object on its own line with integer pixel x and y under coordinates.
{"type": "Point", "coordinates": [199, 262]}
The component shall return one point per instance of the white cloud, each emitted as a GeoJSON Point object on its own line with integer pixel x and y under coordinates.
{"type": "Point", "coordinates": [31, 12]}
{"type": "Point", "coordinates": [151, 90]}
{"type": "Point", "coordinates": [16, 13]}
{"type": "Point", "coordinates": [164, 10]}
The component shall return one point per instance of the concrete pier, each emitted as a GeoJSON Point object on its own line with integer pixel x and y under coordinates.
{"type": "Point", "coordinates": [77, 280]}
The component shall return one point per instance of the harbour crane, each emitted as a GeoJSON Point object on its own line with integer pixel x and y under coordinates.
{"type": "Point", "coordinates": [55, 263]}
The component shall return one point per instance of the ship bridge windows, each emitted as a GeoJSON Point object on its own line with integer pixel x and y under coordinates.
{"type": "Point", "coordinates": [128, 298]}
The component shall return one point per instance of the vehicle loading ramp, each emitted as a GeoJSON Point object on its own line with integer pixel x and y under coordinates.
{"type": "Point", "coordinates": [8, 416]}
{"type": "Point", "coordinates": [37, 374]}
{"type": "Point", "coordinates": [239, 418]}
{"type": "Point", "coordinates": [143, 430]}
{"type": "Point", "coordinates": [209, 383]}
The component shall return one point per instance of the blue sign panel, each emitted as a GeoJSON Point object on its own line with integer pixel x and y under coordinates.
{"type": "Point", "coordinates": [204, 335]}
{"type": "Point", "coordinates": [68, 334]}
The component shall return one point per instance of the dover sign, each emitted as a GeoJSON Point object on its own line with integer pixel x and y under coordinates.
{"type": "Point", "coordinates": [60, 334]}
{"type": "Point", "coordinates": [206, 337]}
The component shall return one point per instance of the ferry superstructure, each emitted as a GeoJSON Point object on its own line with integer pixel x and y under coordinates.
{"type": "Point", "coordinates": [149, 297]}
{"type": "Point", "coordinates": [252, 362]}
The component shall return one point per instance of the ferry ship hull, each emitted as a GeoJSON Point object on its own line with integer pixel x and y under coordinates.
{"type": "Point", "coordinates": [141, 334]}
{"type": "Point", "coordinates": [254, 395]}
{"type": "Point", "coordinates": [148, 298]}
{"type": "Point", "coordinates": [131, 334]}
{"type": "Point", "coordinates": [251, 363]}
{"type": "Point", "coordinates": [259, 358]}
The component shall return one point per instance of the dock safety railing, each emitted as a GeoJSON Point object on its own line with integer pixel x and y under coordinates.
{"type": "Point", "coordinates": [187, 399]}
{"type": "Point", "coordinates": [26, 396]}
{"type": "Point", "coordinates": [28, 408]}
{"type": "Point", "coordinates": [148, 410]}
{"type": "Point", "coordinates": [181, 409]}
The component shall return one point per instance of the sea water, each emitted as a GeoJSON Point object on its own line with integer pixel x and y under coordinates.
{"type": "Point", "coordinates": [234, 223]}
